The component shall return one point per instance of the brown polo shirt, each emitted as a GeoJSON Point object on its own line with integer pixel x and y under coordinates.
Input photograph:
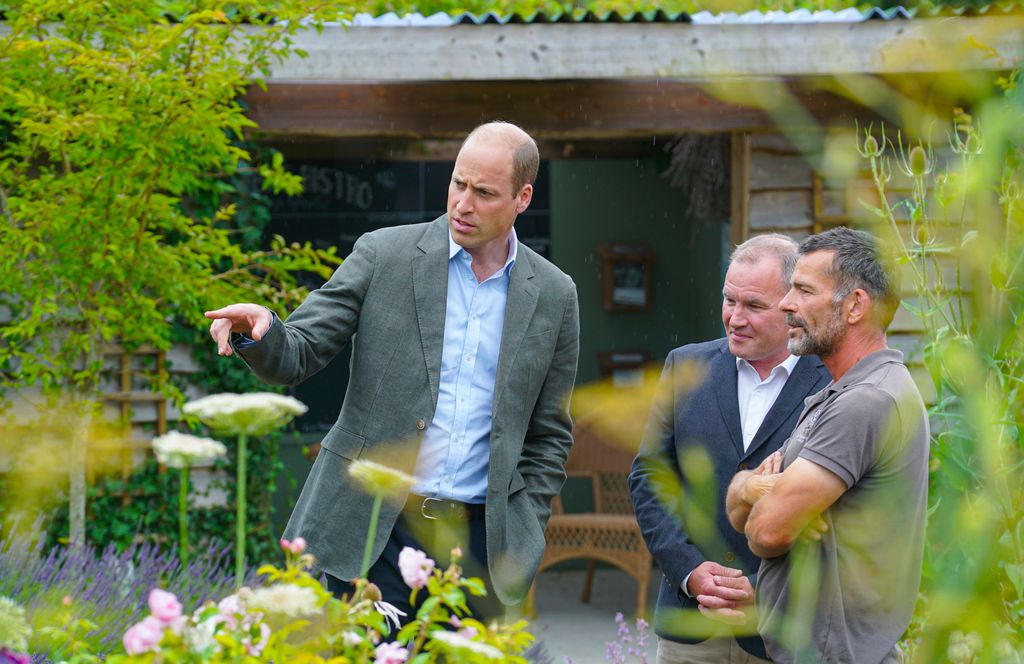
{"type": "Point", "coordinates": [849, 597]}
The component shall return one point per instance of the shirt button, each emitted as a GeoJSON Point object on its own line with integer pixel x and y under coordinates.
{"type": "Point", "coordinates": [421, 424]}
{"type": "Point", "coordinates": [729, 556]}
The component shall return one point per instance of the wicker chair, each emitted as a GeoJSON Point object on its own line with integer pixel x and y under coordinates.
{"type": "Point", "coordinates": [610, 533]}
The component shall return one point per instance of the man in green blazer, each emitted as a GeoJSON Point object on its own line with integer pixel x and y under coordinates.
{"type": "Point", "coordinates": [464, 343]}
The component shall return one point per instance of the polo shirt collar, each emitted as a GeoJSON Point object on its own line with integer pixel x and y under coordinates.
{"type": "Point", "coordinates": [866, 366]}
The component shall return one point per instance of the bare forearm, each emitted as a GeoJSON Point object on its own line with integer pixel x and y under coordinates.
{"type": "Point", "coordinates": [765, 538]}
{"type": "Point", "coordinates": [736, 505]}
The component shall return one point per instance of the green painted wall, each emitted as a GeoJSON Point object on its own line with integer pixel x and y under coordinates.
{"type": "Point", "coordinates": [629, 201]}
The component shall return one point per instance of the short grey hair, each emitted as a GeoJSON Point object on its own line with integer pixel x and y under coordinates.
{"type": "Point", "coordinates": [858, 262]}
{"type": "Point", "coordinates": [774, 245]}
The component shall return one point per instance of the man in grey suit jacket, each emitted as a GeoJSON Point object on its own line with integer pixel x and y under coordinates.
{"type": "Point", "coordinates": [464, 343]}
{"type": "Point", "coordinates": [744, 408]}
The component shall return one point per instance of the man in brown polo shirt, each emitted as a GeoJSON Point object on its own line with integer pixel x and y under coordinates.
{"type": "Point", "coordinates": [838, 515]}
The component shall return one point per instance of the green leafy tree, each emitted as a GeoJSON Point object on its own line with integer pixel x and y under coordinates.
{"type": "Point", "coordinates": [113, 114]}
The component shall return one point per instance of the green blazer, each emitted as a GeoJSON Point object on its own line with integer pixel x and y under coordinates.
{"type": "Point", "coordinates": [389, 298]}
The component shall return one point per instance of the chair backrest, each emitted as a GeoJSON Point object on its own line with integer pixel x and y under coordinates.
{"type": "Point", "coordinates": [607, 462]}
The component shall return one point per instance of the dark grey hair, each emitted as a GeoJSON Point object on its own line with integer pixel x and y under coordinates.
{"type": "Point", "coordinates": [859, 262]}
{"type": "Point", "coordinates": [775, 245]}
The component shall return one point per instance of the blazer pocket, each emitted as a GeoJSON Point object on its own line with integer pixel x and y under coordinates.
{"type": "Point", "coordinates": [517, 483]}
{"type": "Point", "coordinates": [343, 442]}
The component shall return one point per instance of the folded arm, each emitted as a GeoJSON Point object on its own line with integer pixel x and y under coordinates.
{"type": "Point", "coordinates": [793, 505]}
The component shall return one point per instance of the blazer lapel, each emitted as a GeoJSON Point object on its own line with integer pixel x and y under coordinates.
{"type": "Point", "coordinates": [428, 270]}
{"type": "Point", "coordinates": [522, 301]}
{"type": "Point", "coordinates": [723, 375]}
{"type": "Point", "coordinates": [798, 387]}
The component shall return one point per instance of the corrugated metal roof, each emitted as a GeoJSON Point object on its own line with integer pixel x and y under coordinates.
{"type": "Point", "coordinates": [805, 16]}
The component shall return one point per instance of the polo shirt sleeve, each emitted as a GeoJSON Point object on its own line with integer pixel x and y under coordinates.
{"type": "Point", "coordinates": [846, 437]}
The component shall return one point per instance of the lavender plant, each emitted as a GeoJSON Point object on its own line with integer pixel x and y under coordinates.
{"type": "Point", "coordinates": [108, 587]}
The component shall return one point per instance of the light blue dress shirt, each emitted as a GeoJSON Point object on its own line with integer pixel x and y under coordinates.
{"type": "Point", "coordinates": [453, 456]}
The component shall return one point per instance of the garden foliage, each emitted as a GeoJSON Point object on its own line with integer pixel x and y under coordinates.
{"type": "Point", "coordinates": [114, 118]}
{"type": "Point", "coordinates": [953, 210]}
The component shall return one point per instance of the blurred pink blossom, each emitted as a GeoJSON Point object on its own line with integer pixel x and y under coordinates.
{"type": "Point", "coordinates": [416, 568]}
{"type": "Point", "coordinates": [144, 636]}
{"type": "Point", "coordinates": [390, 653]}
{"type": "Point", "coordinates": [254, 649]}
{"type": "Point", "coordinates": [164, 606]}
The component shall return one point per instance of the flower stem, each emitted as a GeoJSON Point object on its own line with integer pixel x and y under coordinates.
{"type": "Point", "coordinates": [240, 513]}
{"type": "Point", "coordinates": [183, 547]}
{"type": "Point", "coordinates": [374, 516]}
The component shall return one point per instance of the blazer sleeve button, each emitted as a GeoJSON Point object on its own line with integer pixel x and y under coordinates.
{"type": "Point", "coordinates": [743, 466]}
{"type": "Point", "coordinates": [421, 424]}
{"type": "Point", "coordinates": [729, 556]}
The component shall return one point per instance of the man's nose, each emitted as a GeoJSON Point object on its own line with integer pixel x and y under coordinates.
{"type": "Point", "coordinates": [464, 204]}
{"type": "Point", "coordinates": [786, 304]}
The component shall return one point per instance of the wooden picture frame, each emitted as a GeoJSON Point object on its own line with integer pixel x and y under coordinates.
{"type": "Point", "coordinates": [626, 276]}
{"type": "Point", "coordinates": [623, 368]}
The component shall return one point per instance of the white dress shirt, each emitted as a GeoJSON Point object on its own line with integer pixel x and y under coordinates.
{"type": "Point", "coordinates": [756, 396]}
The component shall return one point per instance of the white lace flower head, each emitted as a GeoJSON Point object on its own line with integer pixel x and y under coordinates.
{"type": "Point", "coordinates": [181, 450]}
{"type": "Point", "coordinates": [285, 599]}
{"type": "Point", "coordinates": [253, 414]}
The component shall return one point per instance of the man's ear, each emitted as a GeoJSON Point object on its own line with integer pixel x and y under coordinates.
{"type": "Point", "coordinates": [858, 304]}
{"type": "Point", "coordinates": [523, 198]}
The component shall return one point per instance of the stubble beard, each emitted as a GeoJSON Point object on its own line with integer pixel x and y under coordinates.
{"type": "Point", "coordinates": [822, 342]}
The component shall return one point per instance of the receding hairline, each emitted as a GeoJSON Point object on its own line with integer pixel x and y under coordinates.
{"type": "Point", "coordinates": [523, 149]}
{"type": "Point", "coordinates": [513, 134]}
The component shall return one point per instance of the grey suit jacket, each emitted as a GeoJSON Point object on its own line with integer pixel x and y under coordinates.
{"type": "Point", "coordinates": [693, 527]}
{"type": "Point", "coordinates": [389, 298]}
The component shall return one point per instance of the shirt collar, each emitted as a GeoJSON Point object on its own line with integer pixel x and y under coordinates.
{"type": "Point", "coordinates": [866, 366]}
{"type": "Point", "coordinates": [786, 366]}
{"type": "Point", "coordinates": [513, 247]}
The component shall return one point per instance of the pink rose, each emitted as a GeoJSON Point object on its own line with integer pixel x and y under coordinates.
{"type": "Point", "coordinates": [144, 636]}
{"type": "Point", "coordinates": [416, 568]}
{"type": "Point", "coordinates": [164, 606]}
{"type": "Point", "coordinates": [390, 653]}
{"type": "Point", "coordinates": [298, 545]}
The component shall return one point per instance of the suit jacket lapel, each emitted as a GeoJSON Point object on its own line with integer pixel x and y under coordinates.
{"type": "Point", "coordinates": [429, 269]}
{"type": "Point", "coordinates": [519, 308]}
{"type": "Point", "coordinates": [798, 387]}
{"type": "Point", "coordinates": [723, 375]}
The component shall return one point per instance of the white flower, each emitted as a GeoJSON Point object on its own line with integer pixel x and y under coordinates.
{"type": "Point", "coordinates": [458, 642]}
{"type": "Point", "coordinates": [285, 599]}
{"type": "Point", "coordinates": [254, 414]}
{"type": "Point", "coordinates": [390, 612]}
{"type": "Point", "coordinates": [182, 450]}
{"type": "Point", "coordinates": [14, 627]}
{"type": "Point", "coordinates": [380, 480]}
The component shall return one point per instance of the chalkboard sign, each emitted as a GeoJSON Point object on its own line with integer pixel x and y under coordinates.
{"type": "Point", "coordinates": [344, 199]}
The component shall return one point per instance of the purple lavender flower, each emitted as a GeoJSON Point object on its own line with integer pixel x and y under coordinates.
{"type": "Point", "coordinates": [108, 587]}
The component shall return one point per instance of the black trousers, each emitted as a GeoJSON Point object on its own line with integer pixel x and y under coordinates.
{"type": "Point", "coordinates": [436, 538]}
